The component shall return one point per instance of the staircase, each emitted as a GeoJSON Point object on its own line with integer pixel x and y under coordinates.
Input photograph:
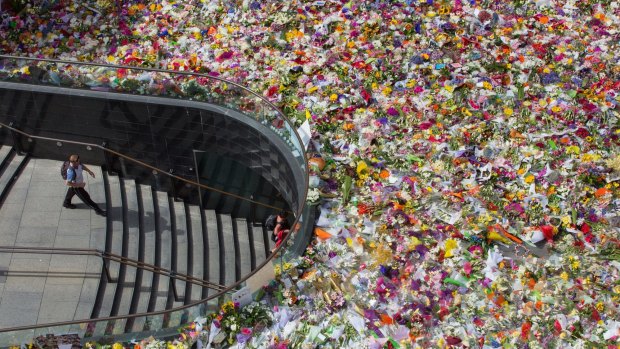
{"type": "Point", "coordinates": [150, 226]}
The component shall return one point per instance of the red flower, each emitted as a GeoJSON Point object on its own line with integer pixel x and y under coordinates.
{"type": "Point", "coordinates": [272, 91]}
{"type": "Point", "coordinates": [585, 228]}
{"type": "Point", "coordinates": [582, 133]}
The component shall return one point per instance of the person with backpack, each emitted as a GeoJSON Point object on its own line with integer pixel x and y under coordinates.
{"type": "Point", "coordinates": [279, 226]}
{"type": "Point", "coordinates": [72, 172]}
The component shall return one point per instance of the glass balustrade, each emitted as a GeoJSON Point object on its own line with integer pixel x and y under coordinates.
{"type": "Point", "coordinates": [148, 82]}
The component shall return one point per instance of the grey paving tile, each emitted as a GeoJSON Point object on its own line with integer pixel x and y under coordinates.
{"type": "Point", "coordinates": [81, 212]}
{"type": "Point", "coordinates": [16, 196]}
{"type": "Point", "coordinates": [43, 204]}
{"type": "Point", "coordinates": [31, 283]}
{"type": "Point", "coordinates": [64, 293]}
{"type": "Point", "coordinates": [83, 310]}
{"type": "Point", "coordinates": [43, 189]}
{"type": "Point", "coordinates": [12, 317]}
{"type": "Point", "coordinates": [97, 238]}
{"type": "Point", "coordinates": [40, 219]}
{"type": "Point", "coordinates": [39, 256]}
{"type": "Point", "coordinates": [29, 264]}
{"type": "Point", "coordinates": [89, 291]}
{"type": "Point", "coordinates": [73, 241]}
{"type": "Point", "coordinates": [23, 181]}
{"type": "Point", "coordinates": [53, 310]}
{"type": "Point", "coordinates": [11, 210]}
{"type": "Point", "coordinates": [7, 238]}
{"type": "Point", "coordinates": [36, 236]}
{"type": "Point", "coordinates": [23, 300]}
{"type": "Point", "coordinates": [67, 264]}
{"type": "Point", "coordinates": [41, 175]}
{"type": "Point", "coordinates": [66, 278]}
{"type": "Point", "coordinates": [5, 259]}
{"type": "Point", "coordinates": [71, 227]}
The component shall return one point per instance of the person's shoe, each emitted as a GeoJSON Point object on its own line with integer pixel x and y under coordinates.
{"type": "Point", "coordinates": [102, 213]}
{"type": "Point", "coordinates": [71, 206]}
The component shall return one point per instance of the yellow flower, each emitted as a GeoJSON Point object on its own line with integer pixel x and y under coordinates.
{"type": "Point", "coordinates": [451, 244]}
{"type": "Point", "coordinates": [117, 346]}
{"type": "Point", "coordinates": [333, 97]}
{"type": "Point", "coordinates": [386, 91]}
{"type": "Point", "coordinates": [564, 276]}
{"type": "Point", "coordinates": [600, 306]}
{"type": "Point", "coordinates": [573, 149]}
{"type": "Point", "coordinates": [508, 111]}
{"type": "Point", "coordinates": [487, 85]}
{"type": "Point", "coordinates": [362, 169]}
{"type": "Point", "coordinates": [566, 220]}
{"type": "Point", "coordinates": [529, 178]}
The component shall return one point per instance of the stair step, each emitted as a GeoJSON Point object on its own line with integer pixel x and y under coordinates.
{"type": "Point", "coordinates": [10, 174]}
{"type": "Point", "coordinates": [197, 250]}
{"type": "Point", "coordinates": [95, 187]}
{"type": "Point", "coordinates": [148, 228]}
{"type": "Point", "coordinates": [127, 285]}
{"type": "Point", "coordinates": [245, 252]}
{"type": "Point", "coordinates": [229, 249]}
{"type": "Point", "coordinates": [213, 251]}
{"type": "Point", "coordinates": [115, 244]}
{"type": "Point", "coordinates": [181, 244]}
{"type": "Point", "coordinates": [165, 253]}
{"type": "Point", "coordinates": [5, 156]}
{"type": "Point", "coordinates": [259, 243]}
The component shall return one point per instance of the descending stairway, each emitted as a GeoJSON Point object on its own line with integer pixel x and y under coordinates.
{"type": "Point", "coordinates": [151, 226]}
{"type": "Point", "coordinates": [11, 164]}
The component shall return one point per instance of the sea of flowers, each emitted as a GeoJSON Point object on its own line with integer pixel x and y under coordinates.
{"type": "Point", "coordinates": [465, 157]}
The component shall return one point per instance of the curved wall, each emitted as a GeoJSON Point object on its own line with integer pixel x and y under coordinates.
{"type": "Point", "coordinates": [162, 132]}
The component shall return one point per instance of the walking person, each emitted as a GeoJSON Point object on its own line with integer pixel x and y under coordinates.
{"type": "Point", "coordinates": [76, 184]}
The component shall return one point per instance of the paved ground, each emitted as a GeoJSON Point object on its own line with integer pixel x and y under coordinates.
{"type": "Point", "coordinates": [43, 288]}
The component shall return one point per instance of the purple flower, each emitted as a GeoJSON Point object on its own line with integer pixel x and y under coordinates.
{"type": "Point", "coordinates": [392, 111]}
{"type": "Point", "coordinates": [244, 335]}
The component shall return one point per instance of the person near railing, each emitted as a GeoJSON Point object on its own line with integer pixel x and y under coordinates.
{"type": "Point", "coordinates": [281, 229]}
{"type": "Point", "coordinates": [76, 184]}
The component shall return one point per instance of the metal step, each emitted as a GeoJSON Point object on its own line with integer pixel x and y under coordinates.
{"type": "Point", "coordinates": [213, 251]}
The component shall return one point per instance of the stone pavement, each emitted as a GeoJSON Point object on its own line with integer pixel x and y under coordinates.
{"type": "Point", "coordinates": [44, 288]}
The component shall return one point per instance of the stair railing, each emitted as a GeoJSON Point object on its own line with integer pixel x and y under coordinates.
{"type": "Point", "coordinates": [14, 131]}
{"type": "Point", "coordinates": [112, 257]}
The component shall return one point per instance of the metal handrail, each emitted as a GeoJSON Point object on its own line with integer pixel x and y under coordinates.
{"type": "Point", "coordinates": [141, 163]}
{"type": "Point", "coordinates": [275, 253]}
{"type": "Point", "coordinates": [114, 258]}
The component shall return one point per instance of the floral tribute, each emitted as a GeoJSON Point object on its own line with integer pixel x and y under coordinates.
{"type": "Point", "coordinates": [468, 186]}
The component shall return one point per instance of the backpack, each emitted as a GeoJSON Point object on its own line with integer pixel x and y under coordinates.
{"type": "Point", "coordinates": [270, 222]}
{"type": "Point", "coordinates": [63, 170]}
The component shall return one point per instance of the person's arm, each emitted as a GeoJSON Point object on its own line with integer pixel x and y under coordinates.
{"type": "Point", "coordinates": [91, 173]}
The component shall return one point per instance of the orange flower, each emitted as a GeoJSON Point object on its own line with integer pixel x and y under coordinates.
{"type": "Point", "coordinates": [384, 174]}
{"type": "Point", "coordinates": [601, 192]}
{"type": "Point", "coordinates": [386, 319]}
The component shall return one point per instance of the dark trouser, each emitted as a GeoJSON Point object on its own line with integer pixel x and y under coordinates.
{"type": "Point", "coordinates": [83, 195]}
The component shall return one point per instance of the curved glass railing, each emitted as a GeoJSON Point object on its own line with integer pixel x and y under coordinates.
{"type": "Point", "coordinates": [163, 83]}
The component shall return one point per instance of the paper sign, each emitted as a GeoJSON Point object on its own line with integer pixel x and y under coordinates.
{"type": "Point", "coordinates": [243, 297]}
